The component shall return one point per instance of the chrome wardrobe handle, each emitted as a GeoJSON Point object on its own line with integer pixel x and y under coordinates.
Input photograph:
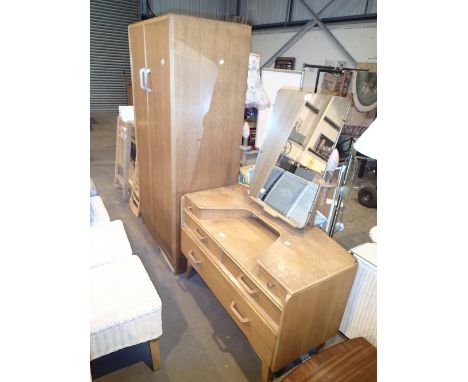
{"type": "Point", "coordinates": [142, 80]}
{"type": "Point", "coordinates": [147, 72]}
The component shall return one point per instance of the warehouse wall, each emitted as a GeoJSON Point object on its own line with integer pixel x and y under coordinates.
{"type": "Point", "coordinates": [259, 12]}
{"type": "Point", "coordinates": [212, 9]}
{"type": "Point", "coordinates": [315, 47]}
{"type": "Point", "coordinates": [109, 55]}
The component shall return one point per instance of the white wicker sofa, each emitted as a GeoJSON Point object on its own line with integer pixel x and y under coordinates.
{"type": "Point", "coordinates": [125, 306]}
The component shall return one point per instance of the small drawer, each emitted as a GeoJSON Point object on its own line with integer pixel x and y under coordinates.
{"type": "Point", "coordinates": [247, 286]}
{"type": "Point", "coordinates": [251, 323]}
{"type": "Point", "coordinates": [201, 235]}
{"type": "Point", "coordinates": [190, 207]}
{"type": "Point", "coordinates": [272, 285]}
{"type": "Point", "coordinates": [195, 256]}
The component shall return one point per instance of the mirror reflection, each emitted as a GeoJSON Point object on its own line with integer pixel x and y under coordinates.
{"type": "Point", "coordinates": [293, 182]}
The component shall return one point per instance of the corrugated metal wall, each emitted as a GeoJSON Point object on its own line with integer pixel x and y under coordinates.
{"type": "Point", "coordinates": [212, 9]}
{"type": "Point", "coordinates": [263, 11]}
{"type": "Point", "coordinates": [372, 6]}
{"type": "Point", "coordinates": [109, 51]}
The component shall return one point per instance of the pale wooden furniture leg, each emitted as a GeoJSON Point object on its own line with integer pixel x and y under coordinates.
{"type": "Point", "coordinates": [122, 156]}
{"type": "Point", "coordinates": [134, 202]}
{"type": "Point", "coordinates": [117, 154]}
{"type": "Point", "coordinates": [155, 354]}
{"type": "Point", "coordinates": [189, 271]}
{"type": "Point", "coordinates": [126, 164]}
{"type": "Point", "coordinates": [267, 374]}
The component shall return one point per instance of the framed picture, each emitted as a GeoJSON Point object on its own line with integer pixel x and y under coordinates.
{"type": "Point", "coordinates": [323, 147]}
{"type": "Point", "coordinates": [285, 63]}
{"type": "Point", "coordinates": [353, 130]}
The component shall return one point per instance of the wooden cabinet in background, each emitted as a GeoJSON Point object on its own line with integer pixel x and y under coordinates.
{"type": "Point", "coordinates": [189, 79]}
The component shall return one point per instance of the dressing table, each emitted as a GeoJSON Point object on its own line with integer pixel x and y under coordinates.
{"type": "Point", "coordinates": [285, 287]}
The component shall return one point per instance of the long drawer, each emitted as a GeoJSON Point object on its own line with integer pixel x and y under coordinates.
{"type": "Point", "coordinates": [257, 331]}
{"type": "Point", "coordinates": [256, 294]}
{"type": "Point", "coordinates": [259, 297]}
{"type": "Point", "coordinates": [202, 236]}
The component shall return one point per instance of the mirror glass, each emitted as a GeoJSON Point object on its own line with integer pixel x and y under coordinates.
{"type": "Point", "coordinates": [301, 133]}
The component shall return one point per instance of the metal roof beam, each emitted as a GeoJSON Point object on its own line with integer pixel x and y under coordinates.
{"type": "Point", "coordinates": [330, 35]}
{"type": "Point", "coordinates": [314, 21]}
{"type": "Point", "coordinates": [369, 17]}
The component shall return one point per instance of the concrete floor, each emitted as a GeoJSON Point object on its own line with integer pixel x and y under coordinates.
{"type": "Point", "coordinates": [200, 342]}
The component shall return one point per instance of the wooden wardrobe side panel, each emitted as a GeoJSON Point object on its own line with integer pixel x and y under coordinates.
{"type": "Point", "coordinates": [136, 39]}
{"type": "Point", "coordinates": [160, 136]}
{"type": "Point", "coordinates": [210, 74]}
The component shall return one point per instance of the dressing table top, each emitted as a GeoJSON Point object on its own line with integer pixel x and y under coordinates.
{"type": "Point", "coordinates": [297, 258]}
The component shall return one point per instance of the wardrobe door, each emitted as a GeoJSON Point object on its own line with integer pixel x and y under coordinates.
{"type": "Point", "coordinates": [211, 60]}
{"type": "Point", "coordinates": [160, 138]}
{"type": "Point", "coordinates": [136, 39]}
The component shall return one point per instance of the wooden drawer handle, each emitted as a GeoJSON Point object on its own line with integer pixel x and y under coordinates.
{"type": "Point", "coordinates": [189, 207]}
{"type": "Point", "coordinates": [200, 234]}
{"type": "Point", "coordinates": [244, 320]}
{"type": "Point", "coordinates": [271, 284]}
{"type": "Point", "coordinates": [252, 292]}
{"type": "Point", "coordinates": [193, 259]}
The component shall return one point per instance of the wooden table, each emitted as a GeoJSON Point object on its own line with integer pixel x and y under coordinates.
{"type": "Point", "coordinates": [349, 361]}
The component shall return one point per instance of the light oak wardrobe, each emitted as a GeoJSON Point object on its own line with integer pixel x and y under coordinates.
{"type": "Point", "coordinates": [189, 79]}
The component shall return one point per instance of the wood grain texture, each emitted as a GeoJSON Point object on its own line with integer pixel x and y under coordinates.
{"type": "Point", "coordinates": [349, 361]}
{"type": "Point", "coordinates": [267, 374]}
{"type": "Point", "coordinates": [160, 137]}
{"type": "Point", "coordinates": [312, 316]}
{"type": "Point", "coordinates": [211, 59]}
{"type": "Point", "coordinates": [251, 323]}
{"type": "Point", "coordinates": [208, 110]}
{"type": "Point", "coordinates": [285, 255]}
{"type": "Point", "coordinates": [195, 111]}
{"type": "Point", "coordinates": [296, 281]}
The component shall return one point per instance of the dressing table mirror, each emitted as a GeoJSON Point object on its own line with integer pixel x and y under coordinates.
{"type": "Point", "coordinates": [301, 134]}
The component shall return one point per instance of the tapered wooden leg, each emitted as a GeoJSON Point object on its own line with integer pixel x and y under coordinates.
{"type": "Point", "coordinates": [189, 271]}
{"type": "Point", "coordinates": [155, 355]}
{"type": "Point", "coordinates": [267, 374]}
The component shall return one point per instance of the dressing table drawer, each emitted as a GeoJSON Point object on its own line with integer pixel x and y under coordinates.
{"type": "Point", "coordinates": [271, 284]}
{"type": "Point", "coordinates": [197, 231]}
{"type": "Point", "coordinates": [189, 206]}
{"type": "Point", "coordinates": [194, 254]}
{"type": "Point", "coordinates": [249, 320]}
{"type": "Point", "coordinates": [259, 298]}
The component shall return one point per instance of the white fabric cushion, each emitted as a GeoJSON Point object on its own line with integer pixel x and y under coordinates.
{"type": "Point", "coordinates": [373, 234]}
{"type": "Point", "coordinates": [100, 215]}
{"type": "Point", "coordinates": [109, 242]}
{"type": "Point", "coordinates": [125, 307]}
{"type": "Point", "coordinates": [367, 251]}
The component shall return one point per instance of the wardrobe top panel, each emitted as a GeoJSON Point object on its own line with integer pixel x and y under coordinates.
{"type": "Point", "coordinates": [173, 15]}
